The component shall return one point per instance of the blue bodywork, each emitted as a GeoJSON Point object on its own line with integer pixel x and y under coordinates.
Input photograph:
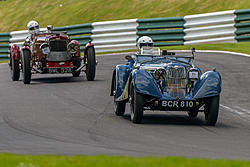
{"type": "Point", "coordinates": [207, 85]}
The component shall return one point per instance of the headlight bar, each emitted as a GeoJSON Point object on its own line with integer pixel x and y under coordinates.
{"type": "Point", "coordinates": [72, 47]}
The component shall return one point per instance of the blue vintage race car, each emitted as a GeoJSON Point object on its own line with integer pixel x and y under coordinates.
{"type": "Point", "coordinates": [168, 82]}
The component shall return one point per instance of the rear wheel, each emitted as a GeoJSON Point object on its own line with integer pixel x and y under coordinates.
{"type": "Point", "coordinates": [15, 70]}
{"type": "Point", "coordinates": [26, 67]}
{"type": "Point", "coordinates": [91, 64]}
{"type": "Point", "coordinates": [136, 105]}
{"type": "Point", "coordinates": [212, 110]}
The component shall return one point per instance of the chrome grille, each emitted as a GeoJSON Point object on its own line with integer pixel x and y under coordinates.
{"type": "Point", "coordinates": [176, 81]}
{"type": "Point", "coordinates": [58, 51]}
{"type": "Point", "coordinates": [58, 45]}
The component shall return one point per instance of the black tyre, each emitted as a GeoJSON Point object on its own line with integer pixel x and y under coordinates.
{"type": "Point", "coordinates": [192, 114]}
{"type": "Point", "coordinates": [26, 67]}
{"type": "Point", "coordinates": [136, 105]}
{"type": "Point", "coordinates": [91, 64]}
{"type": "Point", "coordinates": [75, 73]}
{"type": "Point", "coordinates": [212, 110]}
{"type": "Point", "coordinates": [15, 70]}
{"type": "Point", "coordinates": [119, 106]}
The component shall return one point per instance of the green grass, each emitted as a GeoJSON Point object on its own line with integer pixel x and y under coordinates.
{"type": "Point", "coordinates": [4, 61]}
{"type": "Point", "coordinates": [10, 160]}
{"type": "Point", "coordinates": [15, 14]}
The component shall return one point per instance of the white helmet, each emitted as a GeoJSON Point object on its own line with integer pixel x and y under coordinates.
{"type": "Point", "coordinates": [33, 27]}
{"type": "Point", "coordinates": [145, 42]}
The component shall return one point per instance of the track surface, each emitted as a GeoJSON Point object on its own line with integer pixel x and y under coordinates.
{"type": "Point", "coordinates": [59, 114]}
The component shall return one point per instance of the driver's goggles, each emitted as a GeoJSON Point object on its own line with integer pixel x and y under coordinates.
{"type": "Point", "coordinates": [34, 28]}
{"type": "Point", "coordinates": [146, 44]}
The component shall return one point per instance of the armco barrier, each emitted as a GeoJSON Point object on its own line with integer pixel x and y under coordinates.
{"type": "Point", "coordinates": [217, 27]}
{"type": "Point", "coordinates": [114, 35]}
{"type": "Point", "coordinates": [163, 31]}
{"type": "Point", "coordinates": [242, 25]}
{"type": "Point", "coordinates": [4, 45]}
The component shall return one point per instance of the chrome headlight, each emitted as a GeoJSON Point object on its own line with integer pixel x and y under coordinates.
{"type": "Point", "coordinates": [193, 74]}
{"type": "Point", "coordinates": [160, 74]}
{"type": "Point", "coordinates": [73, 47]}
{"type": "Point", "coordinates": [45, 48]}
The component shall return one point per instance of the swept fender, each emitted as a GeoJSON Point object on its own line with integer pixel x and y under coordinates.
{"type": "Point", "coordinates": [88, 45]}
{"type": "Point", "coordinates": [26, 48]}
{"type": "Point", "coordinates": [208, 85]}
{"type": "Point", "coordinates": [121, 75]}
{"type": "Point", "coordinates": [15, 52]}
{"type": "Point", "coordinates": [144, 83]}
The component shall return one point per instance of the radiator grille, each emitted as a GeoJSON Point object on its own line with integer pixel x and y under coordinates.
{"type": "Point", "coordinates": [58, 46]}
{"type": "Point", "coordinates": [176, 80]}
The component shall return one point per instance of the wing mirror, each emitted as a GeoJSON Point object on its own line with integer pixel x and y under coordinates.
{"type": "Point", "coordinates": [193, 51]}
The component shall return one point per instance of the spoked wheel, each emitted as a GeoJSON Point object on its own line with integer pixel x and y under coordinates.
{"type": "Point", "coordinates": [15, 70]}
{"type": "Point", "coordinates": [26, 67]}
{"type": "Point", "coordinates": [119, 106]}
{"type": "Point", "coordinates": [91, 64]}
{"type": "Point", "coordinates": [75, 73]}
{"type": "Point", "coordinates": [212, 110]}
{"type": "Point", "coordinates": [136, 105]}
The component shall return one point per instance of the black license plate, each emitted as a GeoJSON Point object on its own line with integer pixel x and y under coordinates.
{"type": "Point", "coordinates": [178, 104]}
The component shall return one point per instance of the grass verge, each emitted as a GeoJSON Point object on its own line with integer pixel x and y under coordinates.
{"type": "Point", "coordinates": [11, 160]}
{"type": "Point", "coordinates": [4, 61]}
{"type": "Point", "coordinates": [14, 15]}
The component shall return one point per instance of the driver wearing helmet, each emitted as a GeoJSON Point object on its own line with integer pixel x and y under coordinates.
{"type": "Point", "coordinates": [33, 27]}
{"type": "Point", "coordinates": [145, 45]}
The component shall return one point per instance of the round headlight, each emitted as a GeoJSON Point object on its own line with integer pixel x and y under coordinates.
{"type": "Point", "coordinates": [72, 47]}
{"type": "Point", "coordinates": [45, 48]}
{"type": "Point", "coordinates": [193, 74]}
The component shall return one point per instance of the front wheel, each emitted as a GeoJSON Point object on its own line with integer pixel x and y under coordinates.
{"type": "Point", "coordinates": [136, 105]}
{"type": "Point", "coordinates": [212, 110]}
{"type": "Point", "coordinates": [91, 64]}
{"type": "Point", "coordinates": [15, 70]}
{"type": "Point", "coordinates": [75, 73]}
{"type": "Point", "coordinates": [26, 67]}
{"type": "Point", "coordinates": [119, 106]}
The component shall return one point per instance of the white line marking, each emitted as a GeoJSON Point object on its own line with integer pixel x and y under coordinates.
{"type": "Point", "coordinates": [232, 110]}
{"type": "Point", "coordinates": [243, 109]}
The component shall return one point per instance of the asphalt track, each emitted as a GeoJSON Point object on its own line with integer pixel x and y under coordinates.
{"type": "Point", "coordinates": [59, 114]}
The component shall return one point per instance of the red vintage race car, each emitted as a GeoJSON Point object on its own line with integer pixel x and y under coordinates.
{"type": "Point", "coordinates": [51, 52]}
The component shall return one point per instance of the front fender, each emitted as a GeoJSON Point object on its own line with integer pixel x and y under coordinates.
{"type": "Point", "coordinates": [15, 52]}
{"type": "Point", "coordinates": [144, 83]}
{"type": "Point", "coordinates": [208, 85]}
{"type": "Point", "coordinates": [87, 46]}
{"type": "Point", "coordinates": [121, 75]}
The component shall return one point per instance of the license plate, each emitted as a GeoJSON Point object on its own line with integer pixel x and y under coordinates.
{"type": "Point", "coordinates": [60, 70]}
{"type": "Point", "coordinates": [178, 104]}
